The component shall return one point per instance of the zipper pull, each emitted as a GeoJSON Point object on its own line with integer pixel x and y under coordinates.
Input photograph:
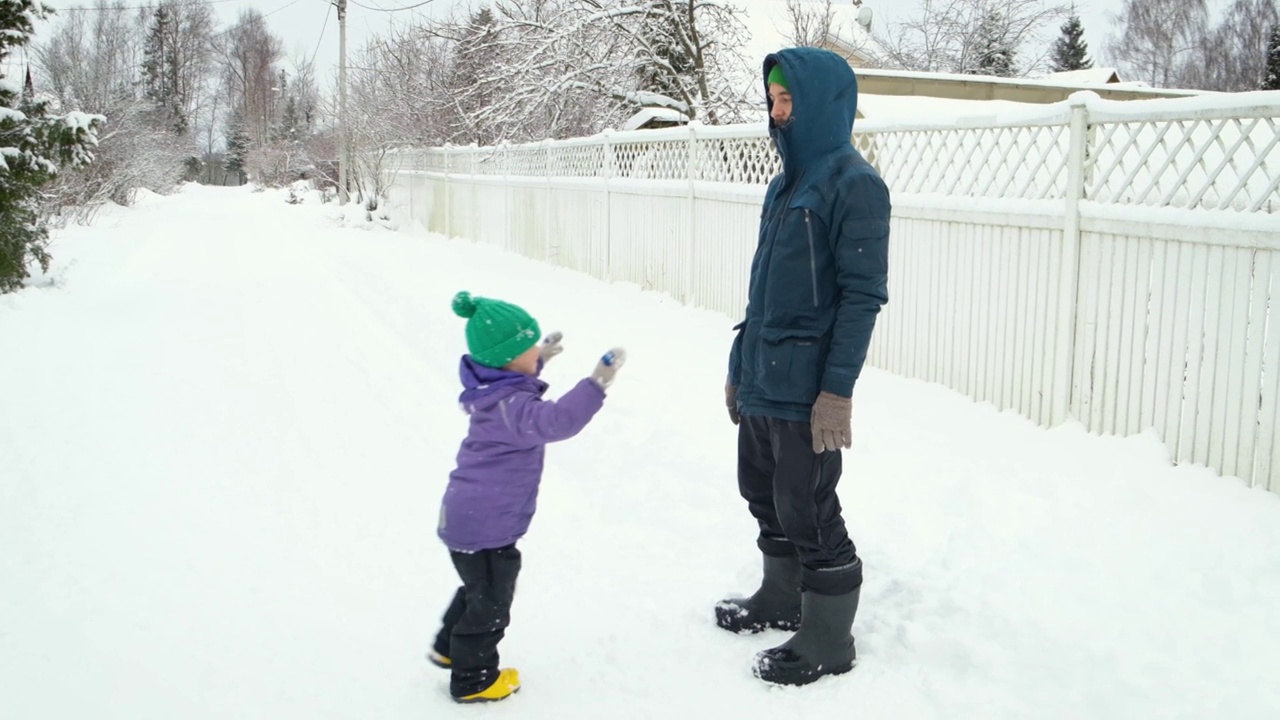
{"type": "Point", "coordinates": [806, 216]}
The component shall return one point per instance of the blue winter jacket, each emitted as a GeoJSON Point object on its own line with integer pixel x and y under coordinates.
{"type": "Point", "coordinates": [820, 272]}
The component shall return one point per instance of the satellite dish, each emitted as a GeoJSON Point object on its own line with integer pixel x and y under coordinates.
{"type": "Point", "coordinates": [864, 17]}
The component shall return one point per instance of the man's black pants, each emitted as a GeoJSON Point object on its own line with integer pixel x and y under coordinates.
{"type": "Point", "coordinates": [477, 619]}
{"type": "Point", "coordinates": [791, 491]}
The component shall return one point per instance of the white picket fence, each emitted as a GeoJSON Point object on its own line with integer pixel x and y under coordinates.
{"type": "Point", "coordinates": [1114, 263]}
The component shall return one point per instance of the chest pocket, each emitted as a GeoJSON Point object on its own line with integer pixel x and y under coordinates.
{"type": "Point", "coordinates": [801, 254]}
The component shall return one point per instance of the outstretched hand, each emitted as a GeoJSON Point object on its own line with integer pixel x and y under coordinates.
{"type": "Point", "coordinates": [551, 347]}
{"type": "Point", "coordinates": [608, 367]}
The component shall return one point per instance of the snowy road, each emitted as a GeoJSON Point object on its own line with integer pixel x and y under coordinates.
{"type": "Point", "coordinates": [226, 426]}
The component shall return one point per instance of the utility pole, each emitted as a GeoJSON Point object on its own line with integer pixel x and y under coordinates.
{"type": "Point", "coordinates": [343, 157]}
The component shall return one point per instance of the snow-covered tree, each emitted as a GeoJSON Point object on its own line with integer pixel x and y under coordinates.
{"type": "Point", "coordinates": [1272, 79]}
{"type": "Point", "coordinates": [1233, 55]}
{"type": "Point", "coordinates": [689, 50]}
{"type": "Point", "coordinates": [1070, 51]}
{"type": "Point", "coordinates": [249, 53]}
{"type": "Point", "coordinates": [968, 36]}
{"type": "Point", "coordinates": [177, 59]}
{"type": "Point", "coordinates": [995, 54]}
{"type": "Point", "coordinates": [1159, 40]}
{"type": "Point", "coordinates": [96, 62]}
{"type": "Point", "coordinates": [239, 144]}
{"type": "Point", "coordinates": [34, 145]}
{"type": "Point", "coordinates": [810, 23]}
{"type": "Point", "coordinates": [532, 69]}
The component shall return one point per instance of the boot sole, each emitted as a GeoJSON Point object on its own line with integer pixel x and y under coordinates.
{"type": "Point", "coordinates": [484, 701]}
{"type": "Point", "coordinates": [806, 680]}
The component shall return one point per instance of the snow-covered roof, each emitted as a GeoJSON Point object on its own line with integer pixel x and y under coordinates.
{"type": "Point", "coordinates": [1047, 81]}
{"type": "Point", "coordinates": [1092, 76]}
{"type": "Point", "coordinates": [919, 107]}
{"type": "Point", "coordinates": [648, 114]}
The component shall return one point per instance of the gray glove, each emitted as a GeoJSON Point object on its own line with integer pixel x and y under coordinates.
{"type": "Point", "coordinates": [608, 366]}
{"type": "Point", "coordinates": [830, 423]}
{"type": "Point", "coordinates": [551, 347]}
{"type": "Point", "coordinates": [731, 400]}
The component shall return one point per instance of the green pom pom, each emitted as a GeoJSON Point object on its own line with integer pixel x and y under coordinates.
{"type": "Point", "coordinates": [463, 305]}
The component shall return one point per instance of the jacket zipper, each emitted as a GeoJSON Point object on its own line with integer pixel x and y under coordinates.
{"type": "Point", "coordinates": [813, 259]}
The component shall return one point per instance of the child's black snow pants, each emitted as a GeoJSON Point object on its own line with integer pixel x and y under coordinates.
{"type": "Point", "coordinates": [477, 618]}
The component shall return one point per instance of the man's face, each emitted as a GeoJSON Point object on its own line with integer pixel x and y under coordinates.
{"type": "Point", "coordinates": [781, 98]}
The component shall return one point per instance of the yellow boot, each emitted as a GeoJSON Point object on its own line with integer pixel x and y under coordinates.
{"type": "Point", "coordinates": [507, 684]}
{"type": "Point", "coordinates": [439, 660]}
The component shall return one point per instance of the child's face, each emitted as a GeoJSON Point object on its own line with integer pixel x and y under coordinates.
{"type": "Point", "coordinates": [527, 363]}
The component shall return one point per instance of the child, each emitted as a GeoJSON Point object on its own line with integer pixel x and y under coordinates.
{"type": "Point", "coordinates": [492, 494]}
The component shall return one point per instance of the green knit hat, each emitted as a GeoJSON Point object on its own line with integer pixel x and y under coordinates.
{"type": "Point", "coordinates": [776, 77]}
{"type": "Point", "coordinates": [497, 332]}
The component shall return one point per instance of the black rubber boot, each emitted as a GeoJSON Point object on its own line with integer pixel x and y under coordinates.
{"type": "Point", "coordinates": [775, 605]}
{"type": "Point", "coordinates": [823, 645]}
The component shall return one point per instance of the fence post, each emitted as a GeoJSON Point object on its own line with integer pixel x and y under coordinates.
{"type": "Point", "coordinates": [607, 239]}
{"type": "Point", "coordinates": [448, 194]}
{"type": "Point", "coordinates": [504, 167]}
{"type": "Point", "coordinates": [690, 280]}
{"type": "Point", "coordinates": [1069, 267]}
{"type": "Point", "coordinates": [548, 244]}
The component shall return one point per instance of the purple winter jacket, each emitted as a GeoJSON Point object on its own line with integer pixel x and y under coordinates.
{"type": "Point", "coordinates": [493, 493]}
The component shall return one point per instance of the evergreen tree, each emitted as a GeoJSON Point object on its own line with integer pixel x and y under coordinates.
{"type": "Point", "coordinates": [474, 58]}
{"type": "Point", "coordinates": [238, 145]}
{"type": "Point", "coordinates": [160, 69]}
{"type": "Point", "coordinates": [1071, 52]}
{"type": "Point", "coordinates": [1271, 79]}
{"type": "Point", "coordinates": [33, 145]}
{"type": "Point", "coordinates": [670, 60]}
{"type": "Point", "coordinates": [994, 55]}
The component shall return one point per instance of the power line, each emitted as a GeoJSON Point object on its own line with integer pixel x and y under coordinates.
{"type": "Point", "coordinates": [391, 10]}
{"type": "Point", "coordinates": [314, 53]}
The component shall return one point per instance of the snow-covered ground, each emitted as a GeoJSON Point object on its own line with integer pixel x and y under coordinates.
{"type": "Point", "coordinates": [226, 423]}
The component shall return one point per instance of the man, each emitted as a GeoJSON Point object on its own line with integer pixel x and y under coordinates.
{"type": "Point", "coordinates": [818, 280]}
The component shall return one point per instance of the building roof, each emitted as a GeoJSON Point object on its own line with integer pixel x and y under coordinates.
{"type": "Point", "coordinates": [1092, 76]}
{"type": "Point", "coordinates": [647, 115]}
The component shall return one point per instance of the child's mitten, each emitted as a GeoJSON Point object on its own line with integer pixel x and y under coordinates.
{"type": "Point", "coordinates": [551, 346]}
{"type": "Point", "coordinates": [608, 366]}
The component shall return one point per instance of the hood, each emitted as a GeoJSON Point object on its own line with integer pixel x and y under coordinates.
{"type": "Point", "coordinates": [824, 94]}
{"type": "Point", "coordinates": [483, 386]}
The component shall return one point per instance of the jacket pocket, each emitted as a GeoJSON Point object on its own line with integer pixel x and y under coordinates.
{"type": "Point", "coordinates": [789, 364]}
{"type": "Point", "coordinates": [813, 256]}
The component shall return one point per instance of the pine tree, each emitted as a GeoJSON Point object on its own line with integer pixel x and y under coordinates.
{"type": "Point", "coordinates": [33, 146]}
{"type": "Point", "coordinates": [1271, 80]}
{"type": "Point", "coordinates": [1071, 52]}
{"type": "Point", "coordinates": [994, 55]}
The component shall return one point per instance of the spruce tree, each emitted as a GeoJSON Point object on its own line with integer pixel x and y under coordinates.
{"type": "Point", "coordinates": [994, 55]}
{"type": "Point", "coordinates": [1271, 78]}
{"type": "Point", "coordinates": [33, 145]}
{"type": "Point", "coordinates": [160, 71]}
{"type": "Point", "coordinates": [238, 144]}
{"type": "Point", "coordinates": [1071, 52]}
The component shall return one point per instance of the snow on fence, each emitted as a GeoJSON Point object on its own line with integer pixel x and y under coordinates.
{"type": "Point", "coordinates": [1109, 262]}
